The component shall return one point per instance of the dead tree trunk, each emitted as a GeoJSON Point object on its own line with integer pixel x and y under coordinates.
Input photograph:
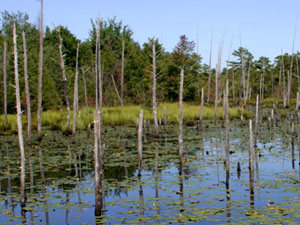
{"type": "Point", "coordinates": [251, 161]}
{"type": "Point", "coordinates": [85, 92]}
{"type": "Point", "coordinates": [100, 74]}
{"type": "Point", "coordinates": [216, 94]}
{"type": "Point", "coordinates": [256, 119]}
{"type": "Point", "coordinates": [248, 84]}
{"type": "Point", "coordinates": [27, 90]}
{"type": "Point", "coordinates": [19, 118]}
{"type": "Point", "coordinates": [180, 141]}
{"type": "Point", "coordinates": [40, 77]}
{"type": "Point", "coordinates": [156, 131]}
{"type": "Point", "coordinates": [140, 144]}
{"type": "Point", "coordinates": [227, 134]}
{"type": "Point", "coordinates": [209, 68]}
{"type": "Point", "coordinates": [5, 81]}
{"type": "Point", "coordinates": [122, 71]}
{"type": "Point", "coordinates": [64, 78]}
{"type": "Point", "coordinates": [75, 98]}
{"type": "Point", "coordinates": [116, 89]}
{"type": "Point", "coordinates": [201, 108]}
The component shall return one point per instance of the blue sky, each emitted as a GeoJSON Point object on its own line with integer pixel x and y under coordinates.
{"type": "Point", "coordinates": [266, 26]}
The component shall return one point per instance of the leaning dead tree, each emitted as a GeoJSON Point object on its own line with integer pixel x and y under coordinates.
{"type": "Point", "coordinates": [63, 74]}
{"type": "Point", "coordinates": [5, 81]}
{"type": "Point", "coordinates": [40, 77]}
{"type": "Point", "coordinates": [154, 87]}
{"type": "Point", "coordinates": [19, 117]}
{"type": "Point", "coordinates": [28, 107]}
{"type": "Point", "coordinates": [75, 98]}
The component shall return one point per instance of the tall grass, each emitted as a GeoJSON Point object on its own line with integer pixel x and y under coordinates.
{"type": "Point", "coordinates": [117, 115]}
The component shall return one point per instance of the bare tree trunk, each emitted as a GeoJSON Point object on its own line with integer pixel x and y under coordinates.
{"type": "Point", "coordinates": [297, 71]}
{"type": "Point", "coordinates": [40, 77]}
{"type": "Point", "coordinates": [289, 87]}
{"type": "Point", "coordinates": [279, 84]}
{"type": "Point", "coordinates": [291, 67]}
{"type": "Point", "coordinates": [116, 89]}
{"type": "Point", "coordinates": [5, 81]}
{"type": "Point", "coordinates": [122, 71]}
{"type": "Point", "coordinates": [251, 161]}
{"type": "Point", "coordinates": [180, 141]}
{"type": "Point", "coordinates": [201, 108]}
{"type": "Point", "coordinates": [19, 118]}
{"type": "Point", "coordinates": [140, 144]}
{"type": "Point", "coordinates": [97, 128]}
{"type": "Point", "coordinates": [248, 84]}
{"type": "Point", "coordinates": [218, 71]}
{"type": "Point", "coordinates": [227, 134]}
{"type": "Point", "coordinates": [27, 90]}
{"type": "Point", "coordinates": [209, 68]}
{"type": "Point", "coordinates": [75, 98]}
{"type": "Point", "coordinates": [100, 75]}
{"type": "Point", "coordinates": [256, 119]}
{"type": "Point", "coordinates": [85, 92]}
{"type": "Point", "coordinates": [154, 88]}
{"type": "Point", "coordinates": [64, 78]}
{"type": "Point", "coordinates": [216, 93]}
{"type": "Point", "coordinates": [232, 83]}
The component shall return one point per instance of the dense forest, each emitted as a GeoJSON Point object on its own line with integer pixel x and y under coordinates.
{"type": "Point", "coordinates": [121, 54]}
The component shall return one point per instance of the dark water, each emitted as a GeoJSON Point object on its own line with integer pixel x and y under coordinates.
{"type": "Point", "coordinates": [60, 178]}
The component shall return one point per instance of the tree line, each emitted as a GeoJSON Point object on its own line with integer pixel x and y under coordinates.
{"type": "Point", "coordinates": [127, 68]}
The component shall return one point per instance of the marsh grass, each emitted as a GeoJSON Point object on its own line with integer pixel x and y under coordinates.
{"type": "Point", "coordinates": [117, 115]}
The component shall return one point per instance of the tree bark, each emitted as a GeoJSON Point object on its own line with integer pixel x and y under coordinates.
{"type": "Point", "coordinates": [40, 77]}
{"type": "Point", "coordinates": [27, 90]}
{"type": "Point", "coordinates": [180, 141]}
{"type": "Point", "coordinates": [75, 98]}
{"type": "Point", "coordinates": [19, 118]}
{"type": "Point", "coordinates": [5, 81]}
{"type": "Point", "coordinates": [64, 78]}
{"type": "Point", "coordinates": [156, 131]}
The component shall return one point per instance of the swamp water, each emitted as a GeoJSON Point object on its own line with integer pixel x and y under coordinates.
{"type": "Point", "coordinates": [60, 178]}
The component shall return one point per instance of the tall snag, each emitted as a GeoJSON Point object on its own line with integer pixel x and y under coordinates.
{"type": "Point", "coordinates": [40, 77]}
{"type": "Point", "coordinates": [227, 162]}
{"type": "Point", "coordinates": [122, 70]}
{"type": "Point", "coordinates": [75, 98]}
{"type": "Point", "coordinates": [154, 87]}
{"type": "Point", "coordinates": [140, 144]}
{"type": "Point", "coordinates": [19, 118]}
{"type": "Point", "coordinates": [180, 141]}
{"type": "Point", "coordinates": [209, 68]}
{"type": "Point", "coordinates": [64, 78]}
{"type": "Point", "coordinates": [28, 107]}
{"type": "Point", "coordinates": [5, 81]}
